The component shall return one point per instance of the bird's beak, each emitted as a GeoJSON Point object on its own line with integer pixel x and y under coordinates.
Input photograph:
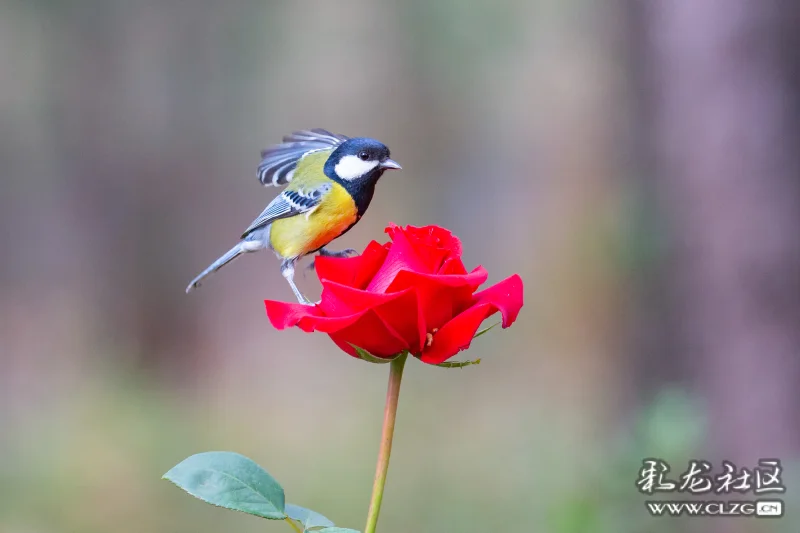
{"type": "Point", "coordinates": [390, 164]}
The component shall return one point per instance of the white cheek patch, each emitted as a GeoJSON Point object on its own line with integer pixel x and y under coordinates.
{"type": "Point", "coordinates": [351, 167]}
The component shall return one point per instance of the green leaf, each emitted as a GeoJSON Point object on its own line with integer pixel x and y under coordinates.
{"type": "Point", "coordinates": [306, 517]}
{"type": "Point", "coordinates": [232, 481]}
{"type": "Point", "coordinates": [366, 356]}
{"type": "Point", "coordinates": [337, 530]}
{"type": "Point", "coordinates": [484, 330]}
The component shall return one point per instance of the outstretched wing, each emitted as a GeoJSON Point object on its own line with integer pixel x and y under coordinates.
{"type": "Point", "coordinates": [278, 162]}
{"type": "Point", "coordinates": [288, 204]}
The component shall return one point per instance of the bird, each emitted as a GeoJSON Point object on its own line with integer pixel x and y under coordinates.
{"type": "Point", "coordinates": [330, 181]}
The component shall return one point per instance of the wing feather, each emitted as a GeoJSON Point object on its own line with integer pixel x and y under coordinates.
{"type": "Point", "coordinates": [277, 162]}
{"type": "Point", "coordinates": [288, 204]}
{"type": "Point", "coordinates": [282, 173]}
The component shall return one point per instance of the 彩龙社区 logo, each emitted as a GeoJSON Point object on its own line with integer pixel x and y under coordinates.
{"type": "Point", "coordinates": [722, 490]}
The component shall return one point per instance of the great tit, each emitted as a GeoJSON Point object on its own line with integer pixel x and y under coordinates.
{"type": "Point", "coordinates": [331, 179]}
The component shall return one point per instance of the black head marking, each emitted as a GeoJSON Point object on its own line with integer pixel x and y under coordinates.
{"type": "Point", "coordinates": [365, 150]}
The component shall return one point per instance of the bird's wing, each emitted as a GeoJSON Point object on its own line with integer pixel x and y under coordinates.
{"type": "Point", "coordinates": [290, 203]}
{"type": "Point", "coordinates": [278, 162]}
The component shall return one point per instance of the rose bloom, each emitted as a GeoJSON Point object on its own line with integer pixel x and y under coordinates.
{"type": "Point", "coordinates": [411, 294]}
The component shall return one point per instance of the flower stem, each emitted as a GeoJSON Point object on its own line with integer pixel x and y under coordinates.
{"type": "Point", "coordinates": [389, 416]}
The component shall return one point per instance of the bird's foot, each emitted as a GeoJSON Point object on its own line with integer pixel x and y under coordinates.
{"type": "Point", "coordinates": [305, 301]}
{"type": "Point", "coordinates": [349, 252]}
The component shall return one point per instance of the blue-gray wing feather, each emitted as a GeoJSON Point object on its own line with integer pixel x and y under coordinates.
{"type": "Point", "coordinates": [288, 204]}
{"type": "Point", "coordinates": [278, 162]}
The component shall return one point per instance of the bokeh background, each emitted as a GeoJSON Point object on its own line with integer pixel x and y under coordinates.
{"type": "Point", "coordinates": [637, 162]}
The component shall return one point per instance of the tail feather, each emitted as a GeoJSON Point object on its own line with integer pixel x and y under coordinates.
{"type": "Point", "coordinates": [229, 256]}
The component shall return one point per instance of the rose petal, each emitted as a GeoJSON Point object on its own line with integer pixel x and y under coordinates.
{"type": "Point", "coordinates": [369, 318]}
{"type": "Point", "coordinates": [441, 297]}
{"type": "Point", "coordinates": [457, 334]}
{"type": "Point", "coordinates": [402, 256]}
{"type": "Point", "coordinates": [338, 299]}
{"type": "Point", "coordinates": [398, 310]}
{"type": "Point", "coordinates": [506, 295]}
{"type": "Point", "coordinates": [404, 315]}
{"type": "Point", "coordinates": [453, 265]}
{"type": "Point", "coordinates": [406, 278]}
{"type": "Point", "coordinates": [307, 317]}
{"type": "Point", "coordinates": [440, 243]}
{"type": "Point", "coordinates": [433, 244]}
{"type": "Point", "coordinates": [372, 334]}
{"type": "Point", "coordinates": [352, 271]}
{"type": "Point", "coordinates": [284, 315]}
{"type": "Point", "coordinates": [339, 307]}
{"type": "Point", "coordinates": [431, 236]}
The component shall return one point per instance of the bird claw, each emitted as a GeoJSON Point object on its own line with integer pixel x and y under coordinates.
{"type": "Point", "coordinates": [301, 299]}
{"type": "Point", "coordinates": [348, 252]}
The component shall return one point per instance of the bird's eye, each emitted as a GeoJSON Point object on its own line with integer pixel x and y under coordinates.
{"type": "Point", "coordinates": [363, 156]}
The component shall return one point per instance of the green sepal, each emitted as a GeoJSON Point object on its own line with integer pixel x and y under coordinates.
{"type": "Point", "coordinates": [307, 518]}
{"type": "Point", "coordinates": [458, 364]}
{"type": "Point", "coordinates": [368, 357]}
{"type": "Point", "coordinates": [232, 481]}
{"type": "Point", "coordinates": [484, 330]}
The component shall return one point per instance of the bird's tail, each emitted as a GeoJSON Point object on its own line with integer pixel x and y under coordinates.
{"type": "Point", "coordinates": [229, 256]}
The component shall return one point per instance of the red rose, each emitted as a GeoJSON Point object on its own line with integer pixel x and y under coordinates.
{"type": "Point", "coordinates": [413, 293]}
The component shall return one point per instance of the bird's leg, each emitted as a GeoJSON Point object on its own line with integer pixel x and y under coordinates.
{"type": "Point", "coordinates": [287, 271]}
{"type": "Point", "coordinates": [349, 252]}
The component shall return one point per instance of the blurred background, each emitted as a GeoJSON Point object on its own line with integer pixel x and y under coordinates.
{"type": "Point", "coordinates": [636, 162]}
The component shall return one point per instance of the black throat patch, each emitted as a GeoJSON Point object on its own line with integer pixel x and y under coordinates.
{"type": "Point", "coordinates": [361, 189]}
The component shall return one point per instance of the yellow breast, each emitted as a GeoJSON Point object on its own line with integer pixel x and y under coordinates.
{"type": "Point", "coordinates": [302, 234]}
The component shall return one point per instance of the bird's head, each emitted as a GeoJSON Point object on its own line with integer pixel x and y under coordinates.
{"type": "Point", "coordinates": [359, 160]}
